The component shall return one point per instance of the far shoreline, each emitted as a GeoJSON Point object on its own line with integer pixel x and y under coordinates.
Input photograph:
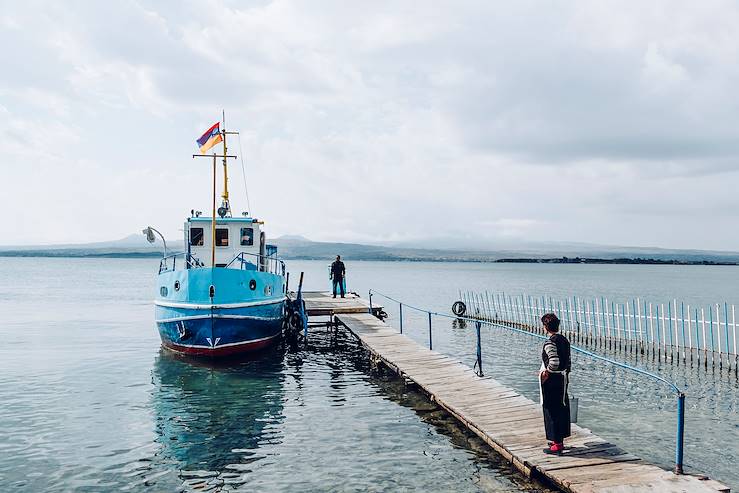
{"type": "Point", "coordinates": [382, 258]}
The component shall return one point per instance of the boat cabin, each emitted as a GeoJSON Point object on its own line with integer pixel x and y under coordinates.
{"type": "Point", "coordinates": [233, 236]}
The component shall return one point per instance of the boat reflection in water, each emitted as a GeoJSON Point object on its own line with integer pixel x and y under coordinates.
{"type": "Point", "coordinates": [211, 417]}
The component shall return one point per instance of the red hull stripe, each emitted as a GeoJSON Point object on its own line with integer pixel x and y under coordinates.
{"type": "Point", "coordinates": [229, 350]}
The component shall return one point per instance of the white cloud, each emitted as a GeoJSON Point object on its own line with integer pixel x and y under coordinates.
{"type": "Point", "coordinates": [600, 122]}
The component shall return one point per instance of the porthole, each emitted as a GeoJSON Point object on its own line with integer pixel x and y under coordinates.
{"type": "Point", "coordinates": [267, 290]}
{"type": "Point", "coordinates": [177, 285]}
{"type": "Point", "coordinates": [253, 284]}
{"type": "Point", "coordinates": [163, 291]}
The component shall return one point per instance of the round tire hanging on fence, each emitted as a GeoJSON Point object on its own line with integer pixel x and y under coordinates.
{"type": "Point", "coordinates": [459, 308]}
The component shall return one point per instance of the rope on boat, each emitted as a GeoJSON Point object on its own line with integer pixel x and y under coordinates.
{"type": "Point", "coordinates": [243, 175]}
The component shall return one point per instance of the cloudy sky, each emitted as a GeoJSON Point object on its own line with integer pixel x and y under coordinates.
{"type": "Point", "coordinates": [601, 122]}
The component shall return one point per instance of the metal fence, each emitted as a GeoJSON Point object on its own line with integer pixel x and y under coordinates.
{"type": "Point", "coordinates": [672, 331]}
{"type": "Point", "coordinates": [527, 329]}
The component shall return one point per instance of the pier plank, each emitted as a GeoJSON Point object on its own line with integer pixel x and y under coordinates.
{"type": "Point", "coordinates": [510, 423]}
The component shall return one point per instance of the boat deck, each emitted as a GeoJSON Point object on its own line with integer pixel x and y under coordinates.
{"type": "Point", "coordinates": [510, 423]}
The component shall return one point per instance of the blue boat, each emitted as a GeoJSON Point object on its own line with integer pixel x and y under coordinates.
{"type": "Point", "coordinates": [226, 294]}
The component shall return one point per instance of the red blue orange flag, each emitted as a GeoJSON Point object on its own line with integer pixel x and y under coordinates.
{"type": "Point", "coordinates": [210, 138]}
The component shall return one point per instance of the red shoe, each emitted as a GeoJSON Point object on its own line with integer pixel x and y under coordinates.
{"type": "Point", "coordinates": [555, 449]}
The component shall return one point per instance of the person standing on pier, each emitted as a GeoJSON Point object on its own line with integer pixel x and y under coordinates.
{"type": "Point", "coordinates": [553, 383]}
{"type": "Point", "coordinates": [338, 271]}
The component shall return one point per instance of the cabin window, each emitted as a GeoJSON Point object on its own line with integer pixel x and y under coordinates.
{"type": "Point", "coordinates": [247, 236]}
{"type": "Point", "coordinates": [221, 236]}
{"type": "Point", "coordinates": [196, 236]}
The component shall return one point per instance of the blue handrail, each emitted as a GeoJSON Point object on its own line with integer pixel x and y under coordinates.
{"type": "Point", "coordinates": [265, 263]}
{"type": "Point", "coordinates": [478, 322]}
{"type": "Point", "coordinates": [190, 260]}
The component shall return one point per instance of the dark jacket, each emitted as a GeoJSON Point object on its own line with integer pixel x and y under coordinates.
{"type": "Point", "coordinates": [338, 270]}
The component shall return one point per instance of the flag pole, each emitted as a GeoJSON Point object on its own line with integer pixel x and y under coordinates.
{"type": "Point", "coordinates": [213, 217]}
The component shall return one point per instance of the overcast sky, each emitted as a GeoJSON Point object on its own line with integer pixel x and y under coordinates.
{"type": "Point", "coordinates": [602, 122]}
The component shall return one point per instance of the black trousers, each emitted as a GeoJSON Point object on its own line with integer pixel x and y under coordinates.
{"type": "Point", "coordinates": [340, 283]}
{"type": "Point", "coordinates": [556, 408]}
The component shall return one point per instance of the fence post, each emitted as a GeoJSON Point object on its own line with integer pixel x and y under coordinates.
{"type": "Point", "coordinates": [718, 338]}
{"type": "Point", "coordinates": [668, 329]}
{"type": "Point", "coordinates": [733, 325]}
{"type": "Point", "coordinates": [726, 333]}
{"type": "Point", "coordinates": [682, 320]}
{"type": "Point", "coordinates": [634, 309]}
{"type": "Point", "coordinates": [401, 317]}
{"type": "Point", "coordinates": [479, 350]}
{"type": "Point", "coordinates": [431, 342]}
{"type": "Point", "coordinates": [370, 300]}
{"type": "Point", "coordinates": [680, 433]}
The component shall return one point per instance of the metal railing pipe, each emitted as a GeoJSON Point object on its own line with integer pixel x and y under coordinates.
{"type": "Point", "coordinates": [478, 325]}
{"type": "Point", "coordinates": [679, 447]}
{"type": "Point", "coordinates": [431, 339]}
{"type": "Point", "coordinates": [680, 433]}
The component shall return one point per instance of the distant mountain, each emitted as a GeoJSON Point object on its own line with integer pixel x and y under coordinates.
{"type": "Point", "coordinates": [136, 241]}
{"type": "Point", "coordinates": [293, 239]}
{"type": "Point", "coordinates": [134, 245]}
{"type": "Point", "coordinates": [319, 250]}
{"type": "Point", "coordinates": [299, 247]}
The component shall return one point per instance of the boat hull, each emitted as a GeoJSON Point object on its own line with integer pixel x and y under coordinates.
{"type": "Point", "coordinates": [215, 331]}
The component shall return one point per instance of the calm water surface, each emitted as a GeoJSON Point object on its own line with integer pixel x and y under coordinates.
{"type": "Point", "coordinates": [88, 402]}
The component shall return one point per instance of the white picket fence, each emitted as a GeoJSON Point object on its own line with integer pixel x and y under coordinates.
{"type": "Point", "coordinates": [672, 331]}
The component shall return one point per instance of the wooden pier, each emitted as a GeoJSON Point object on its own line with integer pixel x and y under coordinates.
{"type": "Point", "coordinates": [321, 304]}
{"type": "Point", "coordinates": [510, 423]}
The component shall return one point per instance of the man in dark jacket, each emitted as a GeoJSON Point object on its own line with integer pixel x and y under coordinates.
{"type": "Point", "coordinates": [553, 378]}
{"type": "Point", "coordinates": [338, 271]}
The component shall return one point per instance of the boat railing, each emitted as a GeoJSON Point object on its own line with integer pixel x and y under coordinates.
{"type": "Point", "coordinates": [255, 261]}
{"type": "Point", "coordinates": [242, 261]}
{"type": "Point", "coordinates": [169, 263]}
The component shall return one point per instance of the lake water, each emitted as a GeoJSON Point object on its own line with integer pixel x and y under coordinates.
{"type": "Point", "coordinates": [88, 402]}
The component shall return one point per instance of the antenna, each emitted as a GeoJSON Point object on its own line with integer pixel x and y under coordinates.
{"type": "Point", "coordinates": [225, 205]}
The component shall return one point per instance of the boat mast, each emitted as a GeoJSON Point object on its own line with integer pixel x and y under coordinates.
{"type": "Point", "coordinates": [213, 216]}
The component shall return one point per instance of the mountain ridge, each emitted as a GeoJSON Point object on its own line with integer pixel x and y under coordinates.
{"type": "Point", "coordinates": [301, 248]}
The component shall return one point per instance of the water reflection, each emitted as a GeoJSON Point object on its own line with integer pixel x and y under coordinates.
{"type": "Point", "coordinates": [212, 417]}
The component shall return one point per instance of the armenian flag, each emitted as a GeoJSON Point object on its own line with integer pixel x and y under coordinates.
{"type": "Point", "coordinates": [210, 138]}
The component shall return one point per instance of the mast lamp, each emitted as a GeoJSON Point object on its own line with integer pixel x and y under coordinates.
{"type": "Point", "coordinates": [149, 233]}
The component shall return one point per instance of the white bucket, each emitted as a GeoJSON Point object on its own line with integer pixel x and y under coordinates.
{"type": "Point", "coordinates": [573, 409]}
